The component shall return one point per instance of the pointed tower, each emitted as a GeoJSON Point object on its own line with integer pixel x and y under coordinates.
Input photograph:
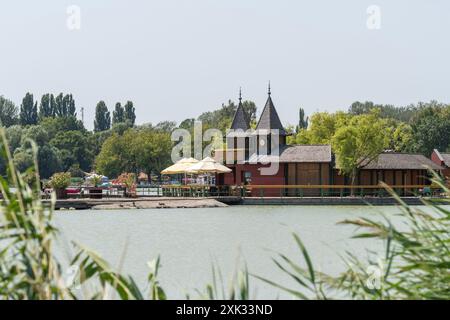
{"type": "Point", "coordinates": [268, 121]}
{"type": "Point", "coordinates": [240, 120]}
{"type": "Point", "coordinates": [238, 137]}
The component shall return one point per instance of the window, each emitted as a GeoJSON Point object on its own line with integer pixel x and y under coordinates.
{"type": "Point", "coordinates": [247, 177]}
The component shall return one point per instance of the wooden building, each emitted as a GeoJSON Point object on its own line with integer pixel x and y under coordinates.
{"type": "Point", "coordinates": [442, 159]}
{"type": "Point", "coordinates": [394, 169]}
{"type": "Point", "coordinates": [254, 151]}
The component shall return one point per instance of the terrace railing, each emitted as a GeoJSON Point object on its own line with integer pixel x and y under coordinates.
{"type": "Point", "coordinates": [299, 191]}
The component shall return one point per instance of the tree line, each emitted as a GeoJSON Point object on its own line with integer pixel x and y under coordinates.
{"type": "Point", "coordinates": [64, 144]}
{"type": "Point", "coordinates": [117, 144]}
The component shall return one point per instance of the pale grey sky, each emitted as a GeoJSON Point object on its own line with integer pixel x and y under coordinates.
{"type": "Point", "coordinates": [178, 58]}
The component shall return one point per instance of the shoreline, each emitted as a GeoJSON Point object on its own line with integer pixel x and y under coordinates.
{"type": "Point", "coordinates": [220, 202]}
{"type": "Point", "coordinates": [137, 203]}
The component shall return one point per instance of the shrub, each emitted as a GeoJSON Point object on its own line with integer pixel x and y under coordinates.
{"type": "Point", "coordinates": [129, 181]}
{"type": "Point", "coordinates": [60, 180]}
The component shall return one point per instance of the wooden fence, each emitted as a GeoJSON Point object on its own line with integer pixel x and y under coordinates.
{"type": "Point", "coordinates": [298, 190]}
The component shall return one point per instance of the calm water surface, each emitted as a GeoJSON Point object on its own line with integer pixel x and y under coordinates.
{"type": "Point", "coordinates": [189, 240]}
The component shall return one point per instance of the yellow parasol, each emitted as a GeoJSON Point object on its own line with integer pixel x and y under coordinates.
{"type": "Point", "coordinates": [180, 166]}
{"type": "Point", "coordinates": [208, 165]}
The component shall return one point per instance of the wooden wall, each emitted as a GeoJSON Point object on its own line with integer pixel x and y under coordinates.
{"type": "Point", "coordinates": [391, 177]}
{"type": "Point", "coordinates": [308, 174]}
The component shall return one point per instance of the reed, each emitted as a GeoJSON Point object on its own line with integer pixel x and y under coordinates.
{"type": "Point", "coordinates": [415, 264]}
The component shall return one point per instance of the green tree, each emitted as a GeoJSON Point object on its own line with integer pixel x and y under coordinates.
{"type": "Point", "coordinates": [55, 125]}
{"type": "Point", "coordinates": [74, 149]}
{"type": "Point", "coordinates": [97, 139]}
{"type": "Point", "coordinates": [115, 156]}
{"type": "Point", "coordinates": [14, 136]}
{"type": "Point", "coordinates": [23, 159]}
{"type": "Point", "coordinates": [130, 113]}
{"type": "Point", "coordinates": [386, 111]}
{"type": "Point", "coordinates": [322, 127]}
{"type": "Point", "coordinates": [28, 110]}
{"type": "Point", "coordinates": [65, 105]}
{"type": "Point", "coordinates": [138, 149]}
{"type": "Point", "coordinates": [69, 106]}
{"type": "Point", "coordinates": [302, 120]}
{"type": "Point", "coordinates": [401, 137]}
{"type": "Point", "coordinates": [36, 133]}
{"type": "Point", "coordinates": [152, 151]}
{"type": "Point", "coordinates": [49, 161]}
{"type": "Point", "coordinates": [359, 142]}
{"type": "Point", "coordinates": [102, 120]}
{"type": "Point", "coordinates": [59, 105]}
{"type": "Point", "coordinates": [250, 110]}
{"type": "Point", "coordinates": [46, 108]}
{"type": "Point", "coordinates": [8, 112]}
{"type": "Point", "coordinates": [166, 126]}
{"type": "Point", "coordinates": [430, 128]}
{"type": "Point", "coordinates": [187, 124]}
{"type": "Point", "coordinates": [118, 114]}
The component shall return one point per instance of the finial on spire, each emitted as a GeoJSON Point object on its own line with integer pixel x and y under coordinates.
{"type": "Point", "coordinates": [269, 92]}
{"type": "Point", "coordinates": [240, 94]}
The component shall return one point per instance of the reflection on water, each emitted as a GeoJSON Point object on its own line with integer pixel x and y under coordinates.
{"type": "Point", "coordinates": [189, 240]}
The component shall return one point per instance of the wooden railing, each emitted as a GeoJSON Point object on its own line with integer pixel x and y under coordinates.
{"type": "Point", "coordinates": [298, 190]}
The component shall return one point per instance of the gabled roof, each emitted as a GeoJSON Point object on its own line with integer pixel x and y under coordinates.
{"type": "Point", "coordinates": [306, 153]}
{"type": "Point", "coordinates": [240, 120]}
{"type": "Point", "coordinates": [297, 153]}
{"type": "Point", "coordinates": [446, 158]}
{"type": "Point", "coordinates": [443, 157]}
{"type": "Point", "coordinates": [399, 161]}
{"type": "Point", "coordinates": [269, 119]}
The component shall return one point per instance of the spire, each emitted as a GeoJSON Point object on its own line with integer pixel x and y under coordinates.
{"type": "Point", "coordinates": [269, 91]}
{"type": "Point", "coordinates": [240, 120]}
{"type": "Point", "coordinates": [269, 119]}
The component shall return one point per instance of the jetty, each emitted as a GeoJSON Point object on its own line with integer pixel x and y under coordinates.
{"type": "Point", "coordinates": [143, 203]}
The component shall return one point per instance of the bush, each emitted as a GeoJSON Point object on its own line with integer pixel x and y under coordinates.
{"type": "Point", "coordinates": [60, 180]}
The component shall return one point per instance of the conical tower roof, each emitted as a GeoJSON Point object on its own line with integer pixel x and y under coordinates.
{"type": "Point", "coordinates": [240, 120]}
{"type": "Point", "coordinates": [269, 119]}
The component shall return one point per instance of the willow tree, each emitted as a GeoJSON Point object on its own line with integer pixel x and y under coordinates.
{"type": "Point", "coordinates": [359, 143]}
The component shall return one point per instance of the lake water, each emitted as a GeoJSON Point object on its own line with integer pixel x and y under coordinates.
{"type": "Point", "coordinates": [189, 240]}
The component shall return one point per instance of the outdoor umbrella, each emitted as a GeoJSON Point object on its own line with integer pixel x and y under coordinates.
{"type": "Point", "coordinates": [208, 165]}
{"type": "Point", "coordinates": [180, 166]}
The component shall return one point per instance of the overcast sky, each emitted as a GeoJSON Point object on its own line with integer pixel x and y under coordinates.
{"type": "Point", "coordinates": [178, 58]}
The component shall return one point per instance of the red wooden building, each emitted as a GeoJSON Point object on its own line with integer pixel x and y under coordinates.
{"type": "Point", "coordinates": [250, 153]}
{"type": "Point", "coordinates": [442, 159]}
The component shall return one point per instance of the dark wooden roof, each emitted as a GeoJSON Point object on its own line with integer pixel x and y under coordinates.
{"type": "Point", "coordinates": [399, 161]}
{"type": "Point", "coordinates": [296, 154]}
{"type": "Point", "coordinates": [240, 120]}
{"type": "Point", "coordinates": [446, 158]}
{"type": "Point", "coordinates": [269, 119]}
{"type": "Point", "coordinates": [306, 153]}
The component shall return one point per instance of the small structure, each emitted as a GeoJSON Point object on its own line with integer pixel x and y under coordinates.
{"type": "Point", "coordinates": [442, 159]}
